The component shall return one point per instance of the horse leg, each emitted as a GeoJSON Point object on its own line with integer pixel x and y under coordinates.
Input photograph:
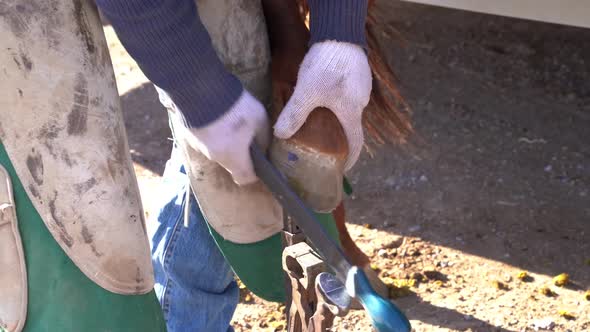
{"type": "Point", "coordinates": [322, 132]}
{"type": "Point", "coordinates": [354, 253]}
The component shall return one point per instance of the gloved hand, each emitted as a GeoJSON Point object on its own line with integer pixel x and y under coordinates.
{"type": "Point", "coordinates": [335, 75]}
{"type": "Point", "coordinates": [227, 140]}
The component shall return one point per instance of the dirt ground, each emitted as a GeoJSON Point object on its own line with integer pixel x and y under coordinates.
{"type": "Point", "coordinates": [498, 183]}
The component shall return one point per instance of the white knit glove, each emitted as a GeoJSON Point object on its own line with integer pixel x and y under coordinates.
{"type": "Point", "coordinates": [335, 75]}
{"type": "Point", "coordinates": [227, 140]}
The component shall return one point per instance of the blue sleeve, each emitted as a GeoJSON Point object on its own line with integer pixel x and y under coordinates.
{"type": "Point", "coordinates": [172, 47]}
{"type": "Point", "coordinates": [339, 20]}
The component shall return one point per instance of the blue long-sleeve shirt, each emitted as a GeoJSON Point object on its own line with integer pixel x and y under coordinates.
{"type": "Point", "coordinates": [172, 47]}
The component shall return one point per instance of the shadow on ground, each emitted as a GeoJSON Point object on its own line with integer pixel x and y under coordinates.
{"type": "Point", "coordinates": [503, 106]}
{"type": "Point", "coordinates": [427, 313]}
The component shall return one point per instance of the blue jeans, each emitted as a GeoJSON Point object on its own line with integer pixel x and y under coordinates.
{"type": "Point", "coordinates": [194, 283]}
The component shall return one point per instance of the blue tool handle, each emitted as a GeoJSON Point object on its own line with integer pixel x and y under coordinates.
{"type": "Point", "coordinates": [386, 317]}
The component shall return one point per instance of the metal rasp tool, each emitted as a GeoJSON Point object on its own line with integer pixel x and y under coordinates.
{"type": "Point", "coordinates": [386, 317]}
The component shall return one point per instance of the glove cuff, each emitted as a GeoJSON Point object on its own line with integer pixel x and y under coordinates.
{"type": "Point", "coordinates": [339, 20]}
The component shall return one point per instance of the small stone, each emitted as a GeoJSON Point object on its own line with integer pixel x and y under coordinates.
{"type": "Point", "coordinates": [368, 226]}
{"type": "Point", "coordinates": [548, 168]}
{"type": "Point", "coordinates": [277, 326]}
{"type": "Point", "coordinates": [566, 314]}
{"type": "Point", "coordinates": [587, 295]}
{"type": "Point", "coordinates": [524, 276]}
{"type": "Point", "coordinates": [241, 284]}
{"type": "Point", "coordinates": [561, 280]}
{"type": "Point", "coordinates": [543, 324]}
{"type": "Point", "coordinates": [499, 285]}
{"type": "Point", "coordinates": [547, 291]}
{"type": "Point", "coordinates": [393, 243]}
{"type": "Point", "coordinates": [399, 287]}
{"type": "Point", "coordinates": [467, 317]}
{"type": "Point", "coordinates": [382, 253]}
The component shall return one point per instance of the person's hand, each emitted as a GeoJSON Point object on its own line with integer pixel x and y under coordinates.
{"type": "Point", "coordinates": [335, 75]}
{"type": "Point", "coordinates": [227, 140]}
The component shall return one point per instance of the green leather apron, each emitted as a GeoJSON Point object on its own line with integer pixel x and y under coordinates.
{"type": "Point", "coordinates": [60, 297]}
